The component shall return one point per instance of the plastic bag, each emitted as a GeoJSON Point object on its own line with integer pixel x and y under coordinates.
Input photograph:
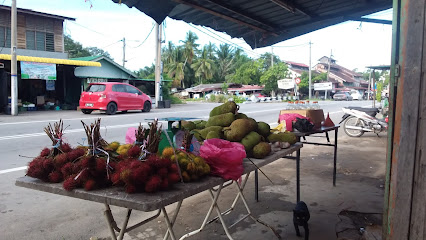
{"type": "Point", "coordinates": [289, 118]}
{"type": "Point", "coordinates": [130, 135]}
{"type": "Point", "coordinates": [225, 158]}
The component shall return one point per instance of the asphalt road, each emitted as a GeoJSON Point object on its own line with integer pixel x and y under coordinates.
{"type": "Point", "coordinates": [31, 214]}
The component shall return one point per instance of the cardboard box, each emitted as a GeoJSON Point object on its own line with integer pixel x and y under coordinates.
{"type": "Point", "coordinates": [316, 115]}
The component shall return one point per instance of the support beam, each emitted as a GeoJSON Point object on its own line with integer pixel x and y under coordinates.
{"type": "Point", "coordinates": [221, 15]}
{"type": "Point", "coordinates": [244, 15]}
{"type": "Point", "coordinates": [291, 7]}
{"type": "Point", "coordinates": [371, 20]}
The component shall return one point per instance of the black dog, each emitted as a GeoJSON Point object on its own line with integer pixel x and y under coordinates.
{"type": "Point", "coordinates": [301, 217]}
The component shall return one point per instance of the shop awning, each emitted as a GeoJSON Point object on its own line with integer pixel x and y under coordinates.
{"type": "Point", "coordinates": [52, 60]}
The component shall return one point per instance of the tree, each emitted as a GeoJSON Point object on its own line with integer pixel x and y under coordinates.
{"type": "Point", "coordinates": [271, 76]}
{"type": "Point", "coordinates": [304, 81]}
{"type": "Point", "coordinates": [203, 66]}
{"type": "Point", "coordinates": [146, 71]}
{"type": "Point", "coordinates": [75, 49]}
{"type": "Point", "coordinates": [225, 57]}
{"type": "Point", "coordinates": [267, 60]}
{"type": "Point", "coordinates": [249, 72]}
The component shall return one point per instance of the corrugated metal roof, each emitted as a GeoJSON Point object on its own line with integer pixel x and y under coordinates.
{"type": "Point", "coordinates": [51, 60]}
{"type": "Point", "coordinates": [260, 22]}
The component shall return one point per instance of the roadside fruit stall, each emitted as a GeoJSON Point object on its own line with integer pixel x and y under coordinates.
{"type": "Point", "coordinates": [207, 156]}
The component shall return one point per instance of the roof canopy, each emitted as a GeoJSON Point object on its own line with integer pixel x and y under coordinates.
{"type": "Point", "coordinates": [51, 60]}
{"type": "Point", "coordinates": [261, 22]}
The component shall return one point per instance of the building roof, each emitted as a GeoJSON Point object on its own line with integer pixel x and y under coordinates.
{"type": "Point", "coordinates": [210, 87]}
{"type": "Point", "coordinates": [73, 62]}
{"type": "Point", "coordinates": [297, 64]}
{"type": "Point", "coordinates": [31, 12]}
{"type": "Point", "coordinates": [99, 58]}
{"type": "Point", "coordinates": [246, 88]}
{"type": "Point", "coordinates": [260, 23]}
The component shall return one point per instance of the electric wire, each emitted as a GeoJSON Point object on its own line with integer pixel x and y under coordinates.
{"type": "Point", "coordinates": [153, 25]}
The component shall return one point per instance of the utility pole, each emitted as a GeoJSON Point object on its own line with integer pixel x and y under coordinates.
{"type": "Point", "coordinates": [13, 62]}
{"type": "Point", "coordinates": [328, 71]}
{"type": "Point", "coordinates": [124, 51]}
{"type": "Point", "coordinates": [310, 71]}
{"type": "Point", "coordinates": [157, 63]}
{"type": "Point", "coordinates": [272, 56]}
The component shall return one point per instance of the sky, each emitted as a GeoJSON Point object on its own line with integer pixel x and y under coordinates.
{"type": "Point", "coordinates": [103, 24]}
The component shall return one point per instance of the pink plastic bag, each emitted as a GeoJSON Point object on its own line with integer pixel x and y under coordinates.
{"type": "Point", "coordinates": [225, 158]}
{"type": "Point", "coordinates": [130, 135]}
{"type": "Point", "coordinates": [289, 118]}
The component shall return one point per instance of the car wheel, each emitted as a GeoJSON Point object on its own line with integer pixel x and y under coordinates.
{"type": "Point", "coordinates": [146, 107]}
{"type": "Point", "coordinates": [86, 111]}
{"type": "Point", "coordinates": [111, 108]}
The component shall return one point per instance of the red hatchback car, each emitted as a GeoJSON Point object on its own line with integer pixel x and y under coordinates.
{"type": "Point", "coordinates": [112, 97]}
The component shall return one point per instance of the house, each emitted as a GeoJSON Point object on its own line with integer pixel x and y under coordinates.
{"type": "Point", "coordinates": [341, 77]}
{"type": "Point", "coordinates": [44, 72]}
{"type": "Point", "coordinates": [245, 89]}
{"type": "Point", "coordinates": [203, 89]}
{"type": "Point", "coordinates": [296, 69]}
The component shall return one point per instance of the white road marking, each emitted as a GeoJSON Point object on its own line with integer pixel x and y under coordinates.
{"type": "Point", "coordinates": [13, 170]}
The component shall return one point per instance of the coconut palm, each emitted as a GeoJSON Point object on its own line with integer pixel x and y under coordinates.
{"type": "Point", "coordinates": [175, 66]}
{"type": "Point", "coordinates": [203, 66]}
{"type": "Point", "coordinates": [225, 58]}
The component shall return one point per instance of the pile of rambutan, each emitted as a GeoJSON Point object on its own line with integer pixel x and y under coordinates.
{"type": "Point", "coordinates": [152, 175]}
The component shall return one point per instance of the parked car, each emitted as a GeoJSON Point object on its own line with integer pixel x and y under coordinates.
{"type": "Point", "coordinates": [342, 96]}
{"type": "Point", "coordinates": [356, 95]}
{"type": "Point", "coordinates": [112, 97]}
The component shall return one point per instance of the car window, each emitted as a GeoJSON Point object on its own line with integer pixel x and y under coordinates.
{"type": "Point", "coordinates": [131, 89]}
{"type": "Point", "coordinates": [96, 88]}
{"type": "Point", "coordinates": [119, 88]}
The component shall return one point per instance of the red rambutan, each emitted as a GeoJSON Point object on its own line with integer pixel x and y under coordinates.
{"type": "Point", "coordinates": [139, 175]}
{"type": "Point", "coordinates": [88, 162]}
{"type": "Point", "coordinates": [48, 165]}
{"type": "Point", "coordinates": [173, 168]}
{"type": "Point", "coordinates": [65, 147]}
{"type": "Point", "coordinates": [70, 184]}
{"type": "Point", "coordinates": [135, 164]}
{"type": "Point", "coordinates": [45, 152]}
{"type": "Point", "coordinates": [67, 169]}
{"type": "Point", "coordinates": [90, 185]}
{"type": "Point", "coordinates": [76, 153]}
{"type": "Point", "coordinates": [162, 172]}
{"type": "Point", "coordinates": [130, 188]}
{"type": "Point", "coordinates": [101, 165]}
{"type": "Point", "coordinates": [82, 176]}
{"type": "Point", "coordinates": [173, 178]}
{"type": "Point", "coordinates": [164, 184]}
{"type": "Point", "coordinates": [125, 175]}
{"type": "Point", "coordinates": [55, 177]}
{"type": "Point", "coordinates": [153, 184]}
{"type": "Point", "coordinates": [134, 151]}
{"type": "Point", "coordinates": [61, 159]}
{"type": "Point", "coordinates": [115, 178]}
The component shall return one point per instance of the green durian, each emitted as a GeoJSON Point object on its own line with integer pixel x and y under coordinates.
{"type": "Point", "coordinates": [261, 150]}
{"type": "Point", "coordinates": [223, 120]}
{"type": "Point", "coordinates": [200, 124]}
{"type": "Point", "coordinates": [237, 131]}
{"type": "Point", "coordinates": [203, 133]}
{"type": "Point", "coordinates": [228, 107]}
{"type": "Point", "coordinates": [251, 140]}
{"type": "Point", "coordinates": [282, 137]}
{"type": "Point", "coordinates": [252, 124]}
{"type": "Point", "coordinates": [263, 129]}
{"type": "Point", "coordinates": [240, 116]}
{"type": "Point", "coordinates": [213, 134]}
{"type": "Point", "coordinates": [188, 125]}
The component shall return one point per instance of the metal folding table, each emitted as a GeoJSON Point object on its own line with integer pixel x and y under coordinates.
{"type": "Point", "coordinates": [158, 201]}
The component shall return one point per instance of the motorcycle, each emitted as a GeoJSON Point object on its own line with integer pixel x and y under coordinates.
{"type": "Point", "coordinates": [357, 121]}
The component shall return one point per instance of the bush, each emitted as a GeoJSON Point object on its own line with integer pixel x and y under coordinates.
{"type": "Point", "coordinates": [238, 99]}
{"type": "Point", "coordinates": [212, 98]}
{"type": "Point", "coordinates": [175, 100]}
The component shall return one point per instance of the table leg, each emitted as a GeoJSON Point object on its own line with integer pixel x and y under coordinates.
{"type": "Point", "coordinates": [256, 185]}
{"type": "Point", "coordinates": [298, 175]}
{"type": "Point", "coordinates": [169, 224]}
{"type": "Point", "coordinates": [126, 221]}
{"type": "Point", "coordinates": [335, 156]}
{"type": "Point", "coordinates": [174, 219]}
{"type": "Point", "coordinates": [110, 221]}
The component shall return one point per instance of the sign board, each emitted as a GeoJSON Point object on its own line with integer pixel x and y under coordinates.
{"type": "Point", "coordinates": [286, 83]}
{"type": "Point", "coordinates": [96, 80]}
{"type": "Point", "coordinates": [323, 86]}
{"type": "Point", "coordinates": [297, 80]}
{"type": "Point", "coordinates": [35, 70]}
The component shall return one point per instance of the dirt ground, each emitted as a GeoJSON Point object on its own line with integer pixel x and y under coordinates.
{"type": "Point", "coordinates": [341, 212]}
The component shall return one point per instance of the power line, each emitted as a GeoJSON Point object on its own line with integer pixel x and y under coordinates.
{"type": "Point", "coordinates": [146, 37]}
{"type": "Point", "coordinates": [299, 45]}
{"type": "Point", "coordinates": [88, 28]}
{"type": "Point", "coordinates": [112, 43]}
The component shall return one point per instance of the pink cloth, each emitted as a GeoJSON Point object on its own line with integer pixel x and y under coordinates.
{"type": "Point", "coordinates": [289, 118]}
{"type": "Point", "coordinates": [130, 135]}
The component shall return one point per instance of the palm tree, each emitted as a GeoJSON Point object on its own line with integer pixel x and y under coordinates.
{"type": "Point", "coordinates": [203, 67]}
{"type": "Point", "coordinates": [190, 47]}
{"type": "Point", "coordinates": [225, 58]}
{"type": "Point", "coordinates": [175, 66]}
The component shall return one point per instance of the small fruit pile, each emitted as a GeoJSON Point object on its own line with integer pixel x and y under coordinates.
{"type": "Point", "coordinates": [192, 167]}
